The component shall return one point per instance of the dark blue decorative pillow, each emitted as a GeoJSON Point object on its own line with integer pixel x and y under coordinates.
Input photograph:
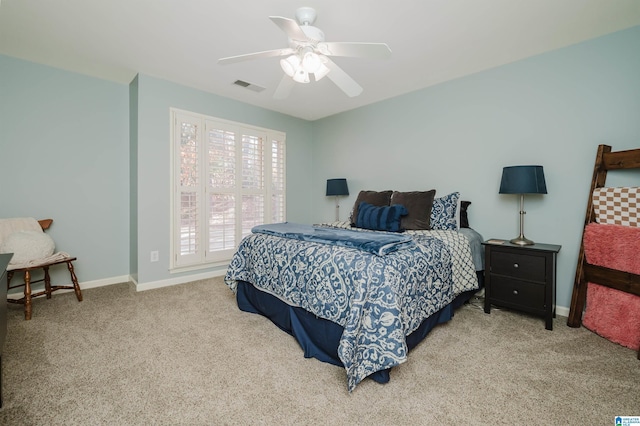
{"type": "Point", "coordinates": [444, 212]}
{"type": "Point", "coordinates": [385, 218]}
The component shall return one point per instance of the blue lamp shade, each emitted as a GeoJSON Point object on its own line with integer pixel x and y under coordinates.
{"type": "Point", "coordinates": [523, 180]}
{"type": "Point", "coordinates": [337, 187]}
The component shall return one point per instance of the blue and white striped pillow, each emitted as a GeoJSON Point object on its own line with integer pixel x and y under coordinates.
{"type": "Point", "coordinates": [385, 218]}
{"type": "Point", "coordinates": [444, 212]}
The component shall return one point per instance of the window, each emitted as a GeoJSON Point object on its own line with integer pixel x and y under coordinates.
{"type": "Point", "coordinates": [227, 178]}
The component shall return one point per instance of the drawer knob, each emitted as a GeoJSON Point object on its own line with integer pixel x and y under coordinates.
{"type": "Point", "coordinates": [515, 265]}
{"type": "Point", "coordinates": [515, 292]}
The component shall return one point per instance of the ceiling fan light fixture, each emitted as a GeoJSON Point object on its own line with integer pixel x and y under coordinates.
{"type": "Point", "coordinates": [322, 71]}
{"type": "Point", "coordinates": [301, 76]}
{"type": "Point", "coordinates": [290, 65]}
{"type": "Point", "coordinates": [311, 62]}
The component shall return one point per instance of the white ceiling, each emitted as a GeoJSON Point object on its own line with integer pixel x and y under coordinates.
{"type": "Point", "coordinates": [181, 40]}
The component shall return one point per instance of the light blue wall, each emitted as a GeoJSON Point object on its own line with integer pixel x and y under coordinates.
{"type": "Point", "coordinates": [552, 109]}
{"type": "Point", "coordinates": [64, 149]}
{"type": "Point", "coordinates": [94, 156]}
{"type": "Point", "coordinates": [67, 150]}
{"type": "Point", "coordinates": [155, 97]}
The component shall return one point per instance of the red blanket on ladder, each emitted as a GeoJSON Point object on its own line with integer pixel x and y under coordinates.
{"type": "Point", "coordinates": [613, 314]}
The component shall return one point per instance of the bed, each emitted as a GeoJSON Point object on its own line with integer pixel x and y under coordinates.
{"type": "Point", "coordinates": [355, 293]}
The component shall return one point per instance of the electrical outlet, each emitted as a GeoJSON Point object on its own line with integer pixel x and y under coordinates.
{"type": "Point", "coordinates": [155, 256]}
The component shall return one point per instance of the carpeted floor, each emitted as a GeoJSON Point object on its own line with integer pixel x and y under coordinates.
{"type": "Point", "coordinates": [185, 355]}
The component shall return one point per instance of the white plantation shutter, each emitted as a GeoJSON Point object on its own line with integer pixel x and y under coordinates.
{"type": "Point", "coordinates": [253, 177]}
{"type": "Point", "coordinates": [221, 190]}
{"type": "Point", "coordinates": [277, 181]}
{"type": "Point", "coordinates": [188, 214]}
{"type": "Point", "coordinates": [228, 178]}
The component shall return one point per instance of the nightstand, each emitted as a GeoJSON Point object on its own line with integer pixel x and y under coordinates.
{"type": "Point", "coordinates": [521, 278]}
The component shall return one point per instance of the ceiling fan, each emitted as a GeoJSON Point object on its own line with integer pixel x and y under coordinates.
{"type": "Point", "coordinates": [308, 53]}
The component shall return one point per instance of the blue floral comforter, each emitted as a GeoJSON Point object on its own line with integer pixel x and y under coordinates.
{"type": "Point", "coordinates": [379, 300]}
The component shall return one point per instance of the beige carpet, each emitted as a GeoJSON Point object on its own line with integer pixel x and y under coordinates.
{"type": "Point", "coordinates": [186, 355]}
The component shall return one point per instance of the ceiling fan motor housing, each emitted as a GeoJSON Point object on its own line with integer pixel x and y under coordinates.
{"type": "Point", "coordinates": [314, 34]}
{"type": "Point", "coordinates": [306, 15]}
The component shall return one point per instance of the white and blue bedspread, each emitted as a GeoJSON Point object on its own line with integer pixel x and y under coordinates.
{"type": "Point", "coordinates": [377, 299]}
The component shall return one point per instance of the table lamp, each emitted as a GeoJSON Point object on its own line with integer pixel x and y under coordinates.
{"type": "Point", "coordinates": [522, 180]}
{"type": "Point", "coordinates": [337, 188]}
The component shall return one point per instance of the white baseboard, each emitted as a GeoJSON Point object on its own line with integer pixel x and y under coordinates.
{"type": "Point", "coordinates": [18, 294]}
{"type": "Point", "coordinates": [178, 280]}
{"type": "Point", "coordinates": [562, 311]}
{"type": "Point", "coordinates": [105, 281]}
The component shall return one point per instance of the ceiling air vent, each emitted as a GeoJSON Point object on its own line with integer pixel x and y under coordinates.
{"type": "Point", "coordinates": [249, 86]}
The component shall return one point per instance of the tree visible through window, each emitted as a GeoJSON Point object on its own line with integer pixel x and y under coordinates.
{"type": "Point", "coordinates": [228, 177]}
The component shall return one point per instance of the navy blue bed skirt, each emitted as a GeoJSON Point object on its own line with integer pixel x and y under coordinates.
{"type": "Point", "coordinates": [318, 337]}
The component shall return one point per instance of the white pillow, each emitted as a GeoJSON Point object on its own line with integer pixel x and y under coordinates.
{"type": "Point", "coordinates": [27, 246]}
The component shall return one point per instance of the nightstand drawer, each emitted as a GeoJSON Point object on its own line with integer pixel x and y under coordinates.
{"type": "Point", "coordinates": [515, 292]}
{"type": "Point", "coordinates": [518, 265]}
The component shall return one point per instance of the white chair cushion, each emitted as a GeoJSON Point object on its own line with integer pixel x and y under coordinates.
{"type": "Point", "coordinates": [14, 224]}
{"type": "Point", "coordinates": [27, 246]}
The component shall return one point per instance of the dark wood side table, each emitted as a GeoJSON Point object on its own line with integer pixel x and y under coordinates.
{"type": "Point", "coordinates": [4, 261]}
{"type": "Point", "coordinates": [521, 278]}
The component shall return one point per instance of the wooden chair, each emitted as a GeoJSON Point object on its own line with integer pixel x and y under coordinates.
{"type": "Point", "coordinates": [48, 288]}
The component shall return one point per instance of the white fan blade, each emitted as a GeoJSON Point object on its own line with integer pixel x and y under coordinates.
{"type": "Point", "coordinates": [356, 50]}
{"type": "Point", "coordinates": [256, 55]}
{"type": "Point", "coordinates": [342, 79]}
{"type": "Point", "coordinates": [284, 88]}
{"type": "Point", "coordinates": [290, 27]}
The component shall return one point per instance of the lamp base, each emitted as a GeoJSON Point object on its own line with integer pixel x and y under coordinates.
{"type": "Point", "coordinates": [522, 241]}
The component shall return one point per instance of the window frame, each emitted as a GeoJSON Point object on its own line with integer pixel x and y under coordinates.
{"type": "Point", "coordinates": [271, 142]}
